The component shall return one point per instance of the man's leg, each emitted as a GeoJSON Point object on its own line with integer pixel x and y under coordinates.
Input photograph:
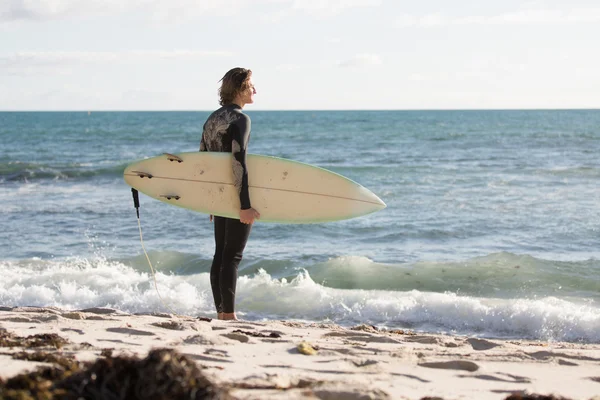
{"type": "Point", "coordinates": [236, 237]}
{"type": "Point", "coordinates": [215, 269]}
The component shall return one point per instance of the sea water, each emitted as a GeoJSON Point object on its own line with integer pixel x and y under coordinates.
{"type": "Point", "coordinates": [492, 226]}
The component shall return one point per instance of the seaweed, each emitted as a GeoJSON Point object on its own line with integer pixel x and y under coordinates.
{"type": "Point", "coordinates": [163, 374]}
{"type": "Point", "coordinates": [8, 339]}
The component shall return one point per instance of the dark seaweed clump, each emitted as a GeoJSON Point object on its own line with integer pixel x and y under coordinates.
{"type": "Point", "coordinates": [8, 339]}
{"type": "Point", "coordinates": [163, 374]}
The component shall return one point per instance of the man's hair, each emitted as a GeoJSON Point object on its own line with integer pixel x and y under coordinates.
{"type": "Point", "coordinates": [234, 82]}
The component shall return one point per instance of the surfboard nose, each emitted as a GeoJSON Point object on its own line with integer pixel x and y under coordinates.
{"type": "Point", "coordinates": [381, 203]}
{"type": "Point", "coordinates": [372, 200]}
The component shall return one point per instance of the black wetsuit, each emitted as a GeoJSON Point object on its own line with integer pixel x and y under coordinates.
{"type": "Point", "coordinates": [228, 130]}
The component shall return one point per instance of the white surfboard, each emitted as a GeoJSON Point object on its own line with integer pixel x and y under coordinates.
{"type": "Point", "coordinates": [281, 190]}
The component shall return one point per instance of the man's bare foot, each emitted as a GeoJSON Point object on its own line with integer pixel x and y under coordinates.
{"type": "Point", "coordinates": [228, 316]}
{"type": "Point", "coordinates": [220, 315]}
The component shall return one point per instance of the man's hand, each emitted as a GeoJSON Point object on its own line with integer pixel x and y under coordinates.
{"type": "Point", "coordinates": [248, 216]}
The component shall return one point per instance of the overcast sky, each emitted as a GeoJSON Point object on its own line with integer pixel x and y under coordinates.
{"type": "Point", "coordinates": [305, 54]}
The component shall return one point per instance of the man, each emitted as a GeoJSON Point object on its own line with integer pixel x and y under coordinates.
{"type": "Point", "coordinates": [228, 130]}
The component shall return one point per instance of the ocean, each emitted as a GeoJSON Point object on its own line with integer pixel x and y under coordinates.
{"type": "Point", "coordinates": [492, 227]}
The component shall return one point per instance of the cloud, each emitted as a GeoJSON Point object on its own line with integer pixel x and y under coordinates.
{"type": "Point", "coordinates": [325, 8]}
{"type": "Point", "coordinates": [361, 60]}
{"type": "Point", "coordinates": [26, 63]}
{"type": "Point", "coordinates": [520, 17]}
{"type": "Point", "coordinates": [172, 10]}
{"type": "Point", "coordinates": [11, 10]}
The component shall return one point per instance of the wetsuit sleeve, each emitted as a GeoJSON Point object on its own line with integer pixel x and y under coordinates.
{"type": "Point", "coordinates": [202, 143]}
{"type": "Point", "coordinates": [240, 134]}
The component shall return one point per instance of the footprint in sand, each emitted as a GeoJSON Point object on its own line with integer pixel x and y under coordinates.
{"type": "Point", "coordinates": [548, 355]}
{"type": "Point", "coordinates": [361, 337]}
{"type": "Point", "coordinates": [119, 341]}
{"type": "Point", "coordinates": [508, 378]}
{"type": "Point", "coordinates": [458, 365]}
{"type": "Point", "coordinates": [21, 319]}
{"type": "Point", "coordinates": [218, 352]}
{"type": "Point", "coordinates": [99, 310]}
{"type": "Point", "coordinates": [129, 331]}
{"type": "Point", "coordinates": [73, 330]}
{"type": "Point", "coordinates": [199, 357]}
{"type": "Point", "coordinates": [73, 315]}
{"type": "Point", "coordinates": [567, 363]}
{"type": "Point", "coordinates": [481, 344]}
{"type": "Point", "coordinates": [422, 339]}
{"type": "Point", "coordinates": [237, 336]}
{"type": "Point", "coordinates": [99, 318]}
{"type": "Point", "coordinates": [348, 391]}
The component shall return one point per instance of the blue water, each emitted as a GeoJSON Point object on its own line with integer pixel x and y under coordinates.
{"type": "Point", "coordinates": [492, 226]}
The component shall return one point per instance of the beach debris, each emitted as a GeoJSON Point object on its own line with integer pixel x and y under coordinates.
{"type": "Point", "coordinates": [365, 328]}
{"type": "Point", "coordinates": [458, 365]}
{"type": "Point", "coordinates": [205, 340]}
{"type": "Point", "coordinates": [401, 332]}
{"type": "Point", "coordinates": [8, 339]}
{"type": "Point", "coordinates": [258, 334]}
{"type": "Point", "coordinates": [307, 348]}
{"type": "Point", "coordinates": [108, 352]}
{"type": "Point", "coordinates": [42, 356]}
{"type": "Point", "coordinates": [173, 325]}
{"type": "Point", "coordinates": [205, 319]}
{"type": "Point", "coordinates": [163, 374]}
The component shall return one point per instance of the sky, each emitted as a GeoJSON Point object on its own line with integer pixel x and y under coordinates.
{"type": "Point", "coordinates": [305, 54]}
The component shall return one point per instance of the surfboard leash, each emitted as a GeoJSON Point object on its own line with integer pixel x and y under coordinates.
{"type": "Point", "coordinates": [136, 204]}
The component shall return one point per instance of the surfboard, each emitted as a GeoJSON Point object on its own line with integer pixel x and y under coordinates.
{"type": "Point", "coordinates": [281, 190]}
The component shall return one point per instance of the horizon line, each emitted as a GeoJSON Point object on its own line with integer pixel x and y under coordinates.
{"type": "Point", "coordinates": [315, 110]}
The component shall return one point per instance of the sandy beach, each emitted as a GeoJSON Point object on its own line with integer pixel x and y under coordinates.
{"type": "Point", "coordinates": [293, 360]}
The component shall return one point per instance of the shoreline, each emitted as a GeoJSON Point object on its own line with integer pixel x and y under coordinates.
{"type": "Point", "coordinates": [289, 360]}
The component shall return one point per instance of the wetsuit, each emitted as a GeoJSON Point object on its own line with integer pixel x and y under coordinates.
{"type": "Point", "coordinates": [228, 130]}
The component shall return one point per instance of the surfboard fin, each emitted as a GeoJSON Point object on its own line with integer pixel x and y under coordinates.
{"type": "Point", "coordinates": [142, 174]}
{"type": "Point", "coordinates": [170, 196]}
{"type": "Point", "coordinates": [173, 157]}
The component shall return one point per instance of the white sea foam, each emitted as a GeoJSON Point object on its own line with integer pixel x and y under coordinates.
{"type": "Point", "coordinates": [80, 283]}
